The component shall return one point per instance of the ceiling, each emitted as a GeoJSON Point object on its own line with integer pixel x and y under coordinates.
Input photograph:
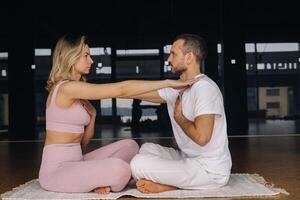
{"type": "Point", "coordinates": [149, 23]}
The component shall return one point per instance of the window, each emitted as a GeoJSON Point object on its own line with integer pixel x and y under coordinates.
{"type": "Point", "coordinates": [138, 63]}
{"type": "Point", "coordinates": [273, 92]}
{"type": "Point", "coordinates": [106, 107]}
{"type": "Point", "coordinates": [4, 111]}
{"type": "Point", "coordinates": [273, 105]}
{"type": "Point", "coordinates": [3, 65]}
{"type": "Point", "coordinates": [101, 68]}
{"type": "Point", "coordinates": [252, 98]}
{"type": "Point", "coordinates": [138, 68]}
{"type": "Point", "coordinates": [167, 67]}
{"type": "Point", "coordinates": [124, 109]}
{"type": "Point", "coordinates": [42, 64]}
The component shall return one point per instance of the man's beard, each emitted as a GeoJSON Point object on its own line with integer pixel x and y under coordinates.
{"type": "Point", "coordinates": [179, 70]}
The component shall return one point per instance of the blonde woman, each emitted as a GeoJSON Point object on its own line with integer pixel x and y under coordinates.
{"type": "Point", "coordinates": [70, 120]}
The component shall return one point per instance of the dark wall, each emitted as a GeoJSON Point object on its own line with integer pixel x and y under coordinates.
{"type": "Point", "coordinates": [139, 24]}
{"type": "Point", "coordinates": [134, 22]}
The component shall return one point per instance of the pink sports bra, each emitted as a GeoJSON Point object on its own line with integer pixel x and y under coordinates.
{"type": "Point", "coordinates": [67, 120]}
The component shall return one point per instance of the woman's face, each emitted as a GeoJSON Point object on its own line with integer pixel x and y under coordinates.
{"type": "Point", "coordinates": [84, 63]}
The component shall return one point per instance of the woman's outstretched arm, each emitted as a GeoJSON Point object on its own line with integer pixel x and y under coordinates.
{"type": "Point", "coordinates": [83, 90]}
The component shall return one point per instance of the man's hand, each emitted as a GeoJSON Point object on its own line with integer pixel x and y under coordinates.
{"type": "Point", "coordinates": [179, 84]}
{"type": "Point", "coordinates": [178, 109]}
{"type": "Point", "coordinates": [200, 130]}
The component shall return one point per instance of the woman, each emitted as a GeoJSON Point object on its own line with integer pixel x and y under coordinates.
{"type": "Point", "coordinates": [70, 121]}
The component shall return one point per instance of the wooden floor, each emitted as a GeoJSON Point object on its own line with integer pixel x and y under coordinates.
{"type": "Point", "coordinates": [276, 158]}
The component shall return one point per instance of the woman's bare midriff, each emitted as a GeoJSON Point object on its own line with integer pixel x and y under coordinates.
{"type": "Point", "coordinates": [53, 137]}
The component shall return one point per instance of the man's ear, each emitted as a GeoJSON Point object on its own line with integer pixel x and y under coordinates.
{"type": "Point", "coordinates": [189, 57]}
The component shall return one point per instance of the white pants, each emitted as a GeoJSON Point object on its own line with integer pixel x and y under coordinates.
{"type": "Point", "coordinates": [168, 166]}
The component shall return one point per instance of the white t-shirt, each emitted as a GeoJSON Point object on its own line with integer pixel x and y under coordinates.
{"type": "Point", "coordinates": [204, 97]}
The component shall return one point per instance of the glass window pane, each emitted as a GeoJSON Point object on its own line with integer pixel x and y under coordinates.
{"type": "Point", "coordinates": [106, 107]}
{"type": "Point", "coordinates": [101, 68]}
{"type": "Point", "coordinates": [124, 109]}
{"type": "Point", "coordinates": [4, 115]}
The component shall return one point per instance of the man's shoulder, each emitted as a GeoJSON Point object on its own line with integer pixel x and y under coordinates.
{"type": "Point", "coordinates": [204, 85]}
{"type": "Point", "coordinates": [206, 90]}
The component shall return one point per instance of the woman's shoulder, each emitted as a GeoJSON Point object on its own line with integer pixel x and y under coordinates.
{"type": "Point", "coordinates": [72, 87]}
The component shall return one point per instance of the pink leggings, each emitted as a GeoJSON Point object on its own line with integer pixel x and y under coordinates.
{"type": "Point", "coordinates": [65, 169]}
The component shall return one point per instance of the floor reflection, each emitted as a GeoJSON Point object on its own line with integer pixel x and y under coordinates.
{"type": "Point", "coordinates": [110, 131]}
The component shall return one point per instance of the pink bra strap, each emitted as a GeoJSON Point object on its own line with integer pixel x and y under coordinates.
{"type": "Point", "coordinates": [55, 91]}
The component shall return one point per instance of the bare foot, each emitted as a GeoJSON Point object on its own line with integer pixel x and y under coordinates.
{"type": "Point", "coordinates": [102, 190]}
{"type": "Point", "coordinates": [147, 186]}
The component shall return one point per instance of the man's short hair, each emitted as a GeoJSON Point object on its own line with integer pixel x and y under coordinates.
{"type": "Point", "coordinates": [195, 44]}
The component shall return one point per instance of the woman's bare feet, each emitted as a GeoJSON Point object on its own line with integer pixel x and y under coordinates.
{"type": "Point", "coordinates": [146, 186]}
{"type": "Point", "coordinates": [102, 190]}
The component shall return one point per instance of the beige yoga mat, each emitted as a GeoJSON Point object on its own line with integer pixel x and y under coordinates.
{"type": "Point", "coordinates": [239, 185]}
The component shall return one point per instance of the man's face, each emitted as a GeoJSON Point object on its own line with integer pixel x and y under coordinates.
{"type": "Point", "coordinates": [177, 58]}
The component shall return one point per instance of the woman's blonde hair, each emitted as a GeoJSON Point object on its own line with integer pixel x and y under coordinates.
{"type": "Point", "coordinates": [66, 53]}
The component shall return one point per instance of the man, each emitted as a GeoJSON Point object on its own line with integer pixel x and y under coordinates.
{"type": "Point", "coordinates": [199, 125]}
